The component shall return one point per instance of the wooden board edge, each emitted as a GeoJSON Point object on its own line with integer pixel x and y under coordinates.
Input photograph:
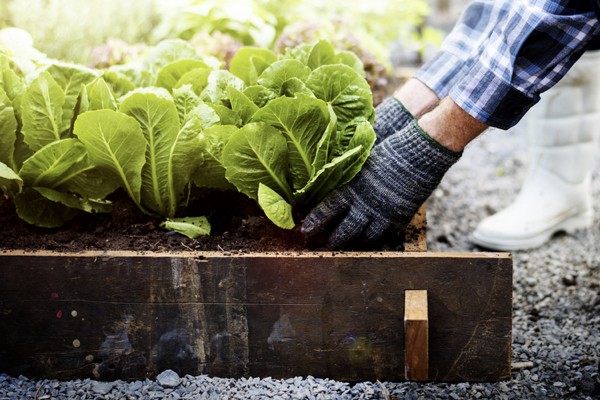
{"type": "Point", "coordinates": [242, 254]}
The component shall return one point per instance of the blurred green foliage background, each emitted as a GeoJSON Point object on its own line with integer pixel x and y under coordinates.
{"type": "Point", "coordinates": [71, 30]}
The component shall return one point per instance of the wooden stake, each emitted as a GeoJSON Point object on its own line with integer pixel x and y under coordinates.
{"type": "Point", "coordinates": [416, 335]}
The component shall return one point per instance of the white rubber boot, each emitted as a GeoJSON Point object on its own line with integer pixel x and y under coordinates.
{"type": "Point", "coordinates": [556, 195]}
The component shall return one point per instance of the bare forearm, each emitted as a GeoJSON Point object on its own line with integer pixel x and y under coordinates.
{"type": "Point", "coordinates": [417, 97]}
{"type": "Point", "coordinates": [450, 126]}
{"type": "Point", "coordinates": [443, 120]}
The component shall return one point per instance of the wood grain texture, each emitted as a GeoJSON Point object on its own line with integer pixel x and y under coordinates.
{"type": "Point", "coordinates": [416, 335]}
{"type": "Point", "coordinates": [130, 316]}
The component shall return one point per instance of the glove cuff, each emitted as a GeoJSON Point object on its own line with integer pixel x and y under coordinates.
{"type": "Point", "coordinates": [390, 117]}
{"type": "Point", "coordinates": [407, 167]}
{"type": "Point", "coordinates": [419, 154]}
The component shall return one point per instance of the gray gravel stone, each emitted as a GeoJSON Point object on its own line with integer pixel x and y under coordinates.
{"type": "Point", "coordinates": [102, 387]}
{"type": "Point", "coordinates": [168, 378]}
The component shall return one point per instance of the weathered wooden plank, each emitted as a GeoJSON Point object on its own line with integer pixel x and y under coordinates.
{"type": "Point", "coordinates": [129, 316]}
{"type": "Point", "coordinates": [416, 335]}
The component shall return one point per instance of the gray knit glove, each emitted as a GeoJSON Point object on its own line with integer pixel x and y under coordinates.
{"type": "Point", "coordinates": [377, 205]}
{"type": "Point", "coordinates": [390, 117]}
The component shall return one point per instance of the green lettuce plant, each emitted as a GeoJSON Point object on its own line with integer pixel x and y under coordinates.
{"type": "Point", "coordinates": [47, 172]}
{"type": "Point", "coordinates": [144, 148]}
{"type": "Point", "coordinates": [308, 127]}
{"type": "Point", "coordinates": [284, 130]}
{"type": "Point", "coordinates": [68, 142]}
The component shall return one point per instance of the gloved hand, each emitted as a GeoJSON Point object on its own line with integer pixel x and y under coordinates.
{"type": "Point", "coordinates": [390, 117]}
{"type": "Point", "coordinates": [399, 175]}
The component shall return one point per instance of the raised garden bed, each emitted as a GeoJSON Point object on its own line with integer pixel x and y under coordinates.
{"type": "Point", "coordinates": [104, 160]}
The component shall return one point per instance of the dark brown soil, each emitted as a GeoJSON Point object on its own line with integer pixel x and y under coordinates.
{"type": "Point", "coordinates": [128, 229]}
{"type": "Point", "coordinates": [237, 224]}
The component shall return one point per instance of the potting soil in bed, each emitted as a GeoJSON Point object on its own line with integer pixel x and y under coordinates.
{"type": "Point", "coordinates": [237, 224]}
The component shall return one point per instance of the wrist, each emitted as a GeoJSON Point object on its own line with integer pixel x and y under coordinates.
{"type": "Point", "coordinates": [416, 97]}
{"type": "Point", "coordinates": [451, 126]}
{"type": "Point", "coordinates": [402, 107]}
{"type": "Point", "coordinates": [437, 144]}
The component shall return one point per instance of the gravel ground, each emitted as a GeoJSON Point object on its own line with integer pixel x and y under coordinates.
{"type": "Point", "coordinates": [556, 317]}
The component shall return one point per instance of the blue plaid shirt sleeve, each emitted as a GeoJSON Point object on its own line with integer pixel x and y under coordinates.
{"type": "Point", "coordinates": [501, 55]}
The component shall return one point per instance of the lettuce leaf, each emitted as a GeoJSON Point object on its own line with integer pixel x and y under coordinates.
{"type": "Point", "coordinates": [257, 153]}
{"type": "Point", "coordinates": [250, 62]}
{"type": "Point", "coordinates": [42, 111]}
{"type": "Point", "coordinates": [47, 173]}
{"type": "Point", "coordinates": [171, 152]}
{"type": "Point", "coordinates": [170, 75]}
{"type": "Point", "coordinates": [185, 101]}
{"type": "Point", "coordinates": [10, 182]}
{"type": "Point", "coordinates": [33, 208]}
{"type": "Point", "coordinates": [70, 78]}
{"type": "Point", "coordinates": [341, 86]}
{"type": "Point", "coordinates": [55, 164]}
{"type": "Point", "coordinates": [211, 173]}
{"type": "Point", "coordinates": [276, 208]}
{"type": "Point", "coordinates": [192, 227]}
{"type": "Point", "coordinates": [8, 130]}
{"type": "Point", "coordinates": [275, 76]}
{"type": "Point", "coordinates": [302, 121]}
{"type": "Point", "coordinates": [116, 144]}
{"type": "Point", "coordinates": [284, 130]}
{"type": "Point", "coordinates": [99, 96]}
{"type": "Point", "coordinates": [322, 53]}
{"type": "Point", "coordinates": [215, 91]}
